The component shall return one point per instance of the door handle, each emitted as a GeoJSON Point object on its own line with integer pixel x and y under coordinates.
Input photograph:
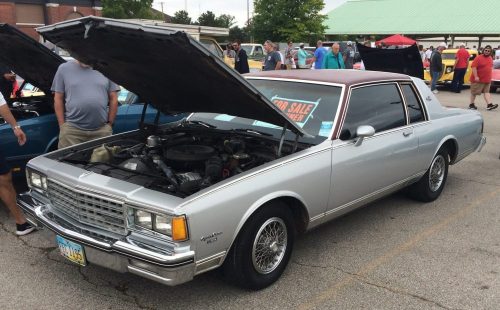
{"type": "Point", "coordinates": [407, 133]}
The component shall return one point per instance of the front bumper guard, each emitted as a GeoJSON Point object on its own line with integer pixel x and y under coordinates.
{"type": "Point", "coordinates": [124, 255]}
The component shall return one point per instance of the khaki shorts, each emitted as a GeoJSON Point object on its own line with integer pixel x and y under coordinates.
{"type": "Point", "coordinates": [70, 135]}
{"type": "Point", "coordinates": [479, 88]}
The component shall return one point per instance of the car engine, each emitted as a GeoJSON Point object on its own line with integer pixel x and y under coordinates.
{"type": "Point", "coordinates": [179, 163]}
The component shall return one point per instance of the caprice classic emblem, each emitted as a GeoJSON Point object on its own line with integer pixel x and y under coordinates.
{"type": "Point", "coordinates": [211, 238]}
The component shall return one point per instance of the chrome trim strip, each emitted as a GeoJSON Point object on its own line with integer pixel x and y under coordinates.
{"type": "Point", "coordinates": [240, 179]}
{"type": "Point", "coordinates": [213, 258]}
{"type": "Point", "coordinates": [366, 197]}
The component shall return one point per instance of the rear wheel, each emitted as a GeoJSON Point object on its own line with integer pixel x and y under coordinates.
{"type": "Point", "coordinates": [430, 186]}
{"type": "Point", "coordinates": [262, 250]}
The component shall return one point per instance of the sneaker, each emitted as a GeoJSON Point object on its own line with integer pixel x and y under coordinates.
{"type": "Point", "coordinates": [435, 91]}
{"type": "Point", "coordinates": [472, 106]}
{"type": "Point", "coordinates": [491, 106]}
{"type": "Point", "coordinates": [24, 229]}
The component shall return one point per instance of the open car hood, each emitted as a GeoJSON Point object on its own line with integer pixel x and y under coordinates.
{"type": "Point", "coordinates": [31, 60]}
{"type": "Point", "coordinates": [403, 60]}
{"type": "Point", "coordinates": [167, 69]}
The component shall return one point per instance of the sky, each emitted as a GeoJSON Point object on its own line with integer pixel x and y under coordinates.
{"type": "Point", "coordinates": [237, 8]}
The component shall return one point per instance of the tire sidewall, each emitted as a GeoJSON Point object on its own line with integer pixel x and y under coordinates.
{"type": "Point", "coordinates": [435, 194]}
{"type": "Point", "coordinates": [244, 244]}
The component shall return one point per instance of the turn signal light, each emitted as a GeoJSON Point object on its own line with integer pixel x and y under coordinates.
{"type": "Point", "coordinates": [179, 229]}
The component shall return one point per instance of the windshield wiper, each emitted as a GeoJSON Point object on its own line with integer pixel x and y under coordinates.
{"type": "Point", "coordinates": [202, 123]}
{"type": "Point", "coordinates": [256, 132]}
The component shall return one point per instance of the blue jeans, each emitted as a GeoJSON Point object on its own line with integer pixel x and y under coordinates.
{"type": "Point", "coordinates": [434, 79]}
{"type": "Point", "coordinates": [458, 79]}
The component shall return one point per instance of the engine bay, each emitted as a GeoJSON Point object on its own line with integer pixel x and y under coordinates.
{"type": "Point", "coordinates": [180, 162]}
{"type": "Point", "coordinates": [28, 107]}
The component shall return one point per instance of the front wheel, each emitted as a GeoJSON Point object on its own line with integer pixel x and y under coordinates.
{"type": "Point", "coordinates": [430, 186]}
{"type": "Point", "coordinates": [262, 250]}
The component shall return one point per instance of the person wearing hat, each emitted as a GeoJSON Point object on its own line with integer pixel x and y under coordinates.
{"type": "Point", "coordinates": [302, 56]}
{"type": "Point", "coordinates": [460, 67]}
{"type": "Point", "coordinates": [348, 56]}
{"type": "Point", "coordinates": [436, 66]}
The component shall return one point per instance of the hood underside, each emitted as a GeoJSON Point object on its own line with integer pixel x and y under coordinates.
{"type": "Point", "coordinates": [402, 60]}
{"type": "Point", "coordinates": [35, 63]}
{"type": "Point", "coordinates": [167, 69]}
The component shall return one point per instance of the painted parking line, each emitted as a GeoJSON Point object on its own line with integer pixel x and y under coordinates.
{"type": "Point", "coordinates": [330, 293]}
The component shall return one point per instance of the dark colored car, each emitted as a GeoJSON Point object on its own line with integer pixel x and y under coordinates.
{"type": "Point", "coordinates": [37, 65]}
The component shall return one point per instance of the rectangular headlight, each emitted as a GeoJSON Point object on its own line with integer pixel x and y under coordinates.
{"type": "Point", "coordinates": [174, 227]}
{"type": "Point", "coordinates": [36, 180]}
{"type": "Point", "coordinates": [144, 219]}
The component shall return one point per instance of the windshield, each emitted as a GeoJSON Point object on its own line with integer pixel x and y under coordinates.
{"type": "Point", "coordinates": [448, 56]}
{"type": "Point", "coordinates": [247, 48]}
{"type": "Point", "coordinates": [312, 107]}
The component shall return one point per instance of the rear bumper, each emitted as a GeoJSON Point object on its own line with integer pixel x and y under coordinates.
{"type": "Point", "coordinates": [126, 254]}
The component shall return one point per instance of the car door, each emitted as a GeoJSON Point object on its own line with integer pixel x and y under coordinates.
{"type": "Point", "coordinates": [381, 162]}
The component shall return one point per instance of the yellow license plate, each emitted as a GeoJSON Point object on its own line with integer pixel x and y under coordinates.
{"type": "Point", "coordinates": [71, 250]}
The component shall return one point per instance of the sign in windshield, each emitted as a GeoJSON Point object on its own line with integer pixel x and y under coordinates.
{"type": "Point", "coordinates": [311, 106]}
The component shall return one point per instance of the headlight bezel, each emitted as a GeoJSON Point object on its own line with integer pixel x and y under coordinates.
{"type": "Point", "coordinates": [155, 229]}
{"type": "Point", "coordinates": [36, 180]}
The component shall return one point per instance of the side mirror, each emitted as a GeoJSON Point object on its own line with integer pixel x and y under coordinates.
{"type": "Point", "coordinates": [363, 132]}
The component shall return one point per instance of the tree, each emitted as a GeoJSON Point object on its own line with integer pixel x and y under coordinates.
{"type": "Point", "coordinates": [225, 20]}
{"type": "Point", "coordinates": [282, 20]}
{"type": "Point", "coordinates": [237, 33]}
{"type": "Point", "coordinates": [208, 19]}
{"type": "Point", "coordinates": [181, 17]}
{"type": "Point", "coordinates": [128, 9]}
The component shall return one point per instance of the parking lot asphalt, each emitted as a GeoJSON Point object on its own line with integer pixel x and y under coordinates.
{"type": "Point", "coordinates": [392, 254]}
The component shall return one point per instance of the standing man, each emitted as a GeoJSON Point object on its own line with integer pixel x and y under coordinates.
{"type": "Point", "coordinates": [428, 53]}
{"type": "Point", "coordinates": [240, 59]}
{"type": "Point", "coordinates": [348, 56]}
{"type": "Point", "coordinates": [301, 57]}
{"type": "Point", "coordinates": [436, 66]}
{"type": "Point", "coordinates": [289, 62]}
{"type": "Point", "coordinates": [319, 54]}
{"type": "Point", "coordinates": [273, 58]}
{"type": "Point", "coordinates": [333, 59]}
{"type": "Point", "coordinates": [461, 64]}
{"type": "Point", "coordinates": [81, 98]}
{"type": "Point", "coordinates": [7, 191]}
{"type": "Point", "coordinates": [7, 79]}
{"type": "Point", "coordinates": [482, 69]}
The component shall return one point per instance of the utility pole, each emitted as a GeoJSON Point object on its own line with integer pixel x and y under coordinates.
{"type": "Point", "coordinates": [161, 3]}
{"type": "Point", "coordinates": [186, 5]}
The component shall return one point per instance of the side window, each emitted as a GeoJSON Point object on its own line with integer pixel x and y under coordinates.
{"type": "Point", "coordinates": [212, 46]}
{"type": "Point", "coordinates": [379, 106]}
{"type": "Point", "coordinates": [258, 51]}
{"type": "Point", "coordinates": [414, 108]}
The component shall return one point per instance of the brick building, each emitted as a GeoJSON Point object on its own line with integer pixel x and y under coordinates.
{"type": "Point", "coordinates": [29, 14]}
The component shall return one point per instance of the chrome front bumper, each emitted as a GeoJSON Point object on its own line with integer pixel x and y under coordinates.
{"type": "Point", "coordinates": [123, 255]}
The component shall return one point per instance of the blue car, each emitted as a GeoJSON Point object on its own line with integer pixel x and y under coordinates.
{"type": "Point", "coordinates": [35, 114]}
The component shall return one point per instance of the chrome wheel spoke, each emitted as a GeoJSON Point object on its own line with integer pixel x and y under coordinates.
{"type": "Point", "coordinates": [269, 245]}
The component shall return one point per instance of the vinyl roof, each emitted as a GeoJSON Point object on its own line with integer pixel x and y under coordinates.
{"type": "Point", "coordinates": [415, 17]}
{"type": "Point", "coordinates": [347, 77]}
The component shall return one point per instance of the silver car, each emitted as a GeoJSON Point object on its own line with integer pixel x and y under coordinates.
{"type": "Point", "coordinates": [262, 158]}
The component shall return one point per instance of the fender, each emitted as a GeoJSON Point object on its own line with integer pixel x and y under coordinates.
{"type": "Point", "coordinates": [442, 142]}
{"type": "Point", "coordinates": [261, 202]}
{"type": "Point", "coordinates": [52, 142]}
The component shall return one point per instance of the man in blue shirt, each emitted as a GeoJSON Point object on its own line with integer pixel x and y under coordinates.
{"type": "Point", "coordinates": [318, 55]}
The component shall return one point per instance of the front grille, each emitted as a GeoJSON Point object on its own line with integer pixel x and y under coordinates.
{"type": "Point", "coordinates": [94, 210]}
